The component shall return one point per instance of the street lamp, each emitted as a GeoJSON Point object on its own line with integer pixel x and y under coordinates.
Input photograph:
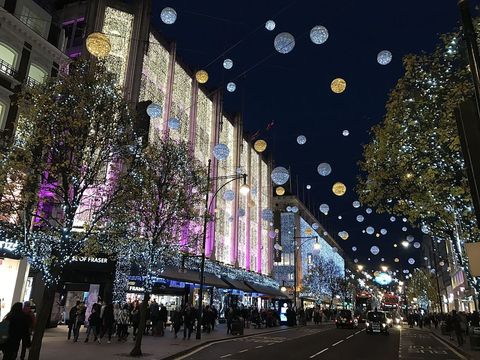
{"type": "Point", "coordinates": [283, 288]}
{"type": "Point", "coordinates": [244, 190]}
{"type": "Point", "coordinates": [316, 247]}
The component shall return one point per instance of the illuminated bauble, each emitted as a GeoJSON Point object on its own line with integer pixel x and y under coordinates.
{"type": "Point", "coordinates": [416, 245]}
{"type": "Point", "coordinates": [404, 220]}
{"type": "Point", "coordinates": [392, 218]}
{"type": "Point", "coordinates": [173, 124]}
{"type": "Point", "coordinates": [368, 210]}
{"type": "Point", "coordinates": [343, 235]}
{"type": "Point", "coordinates": [425, 229]}
{"type": "Point", "coordinates": [309, 187]}
{"type": "Point", "coordinates": [355, 261]}
{"type": "Point", "coordinates": [345, 132]}
{"type": "Point", "coordinates": [228, 64]}
{"type": "Point", "coordinates": [168, 15]}
{"type": "Point", "coordinates": [260, 145]}
{"type": "Point", "coordinates": [319, 34]}
{"type": "Point", "coordinates": [411, 261]}
{"type": "Point", "coordinates": [289, 208]}
{"type": "Point", "coordinates": [267, 214]}
{"type": "Point", "coordinates": [301, 139]}
{"type": "Point", "coordinates": [201, 76]}
{"type": "Point", "coordinates": [360, 218]}
{"type": "Point", "coordinates": [324, 169]}
{"type": "Point", "coordinates": [404, 228]}
{"type": "Point", "coordinates": [339, 217]}
{"type": "Point", "coordinates": [294, 209]}
{"type": "Point", "coordinates": [384, 57]}
{"type": "Point", "coordinates": [231, 87]}
{"type": "Point", "coordinates": [284, 42]}
{"type": "Point", "coordinates": [442, 263]}
{"type": "Point", "coordinates": [315, 226]}
{"type": "Point", "coordinates": [324, 208]}
{"type": "Point", "coordinates": [154, 110]}
{"type": "Point", "coordinates": [98, 44]}
{"type": "Point", "coordinates": [308, 231]}
{"type": "Point", "coordinates": [374, 250]}
{"type": "Point", "coordinates": [354, 248]}
{"type": "Point", "coordinates": [241, 212]}
{"type": "Point", "coordinates": [272, 234]}
{"type": "Point", "coordinates": [339, 189]}
{"type": "Point", "coordinates": [370, 230]}
{"type": "Point", "coordinates": [280, 191]}
{"type": "Point", "coordinates": [221, 152]}
{"type": "Point", "coordinates": [251, 203]}
{"type": "Point", "coordinates": [280, 175]}
{"type": "Point", "coordinates": [228, 195]}
{"type": "Point", "coordinates": [410, 238]}
{"type": "Point", "coordinates": [396, 260]}
{"type": "Point", "coordinates": [383, 231]}
{"type": "Point", "coordinates": [356, 204]}
{"type": "Point", "coordinates": [338, 86]}
{"type": "Point", "coordinates": [270, 25]}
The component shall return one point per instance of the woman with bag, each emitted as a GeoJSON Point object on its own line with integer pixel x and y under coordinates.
{"type": "Point", "coordinates": [18, 330]}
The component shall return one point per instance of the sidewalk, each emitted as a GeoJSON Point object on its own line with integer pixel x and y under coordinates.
{"type": "Point", "coordinates": [464, 350]}
{"type": "Point", "coordinates": [57, 347]}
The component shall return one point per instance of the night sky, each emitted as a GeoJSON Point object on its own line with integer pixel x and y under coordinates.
{"type": "Point", "coordinates": [293, 89]}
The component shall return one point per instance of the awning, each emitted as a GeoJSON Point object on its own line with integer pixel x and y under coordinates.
{"type": "Point", "coordinates": [266, 291]}
{"type": "Point", "coordinates": [237, 284]}
{"type": "Point", "coordinates": [193, 277]}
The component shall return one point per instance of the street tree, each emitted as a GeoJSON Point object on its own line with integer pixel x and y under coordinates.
{"type": "Point", "coordinates": [414, 167]}
{"type": "Point", "coordinates": [160, 213]}
{"type": "Point", "coordinates": [324, 278]}
{"type": "Point", "coordinates": [422, 286]}
{"type": "Point", "coordinates": [59, 175]}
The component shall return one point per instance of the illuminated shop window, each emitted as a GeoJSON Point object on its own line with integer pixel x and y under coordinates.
{"type": "Point", "coordinates": [254, 194]}
{"type": "Point", "coordinates": [203, 128]}
{"type": "Point", "coordinates": [181, 102]}
{"type": "Point", "coordinates": [242, 223]}
{"type": "Point", "coordinates": [264, 204]}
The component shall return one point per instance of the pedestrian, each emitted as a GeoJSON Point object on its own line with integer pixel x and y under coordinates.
{"type": "Point", "coordinates": [188, 321]}
{"type": "Point", "coordinates": [176, 319]}
{"type": "Point", "coordinates": [108, 322]}
{"type": "Point", "coordinates": [457, 327]}
{"type": "Point", "coordinates": [229, 318]}
{"type": "Point", "coordinates": [213, 317]}
{"type": "Point", "coordinates": [72, 316]}
{"type": "Point", "coordinates": [154, 316]}
{"type": "Point", "coordinates": [31, 324]}
{"type": "Point", "coordinates": [162, 319]}
{"type": "Point", "coordinates": [18, 330]}
{"type": "Point", "coordinates": [79, 320]}
{"type": "Point", "coordinates": [123, 320]}
{"type": "Point", "coordinates": [94, 323]}
{"type": "Point", "coordinates": [135, 315]}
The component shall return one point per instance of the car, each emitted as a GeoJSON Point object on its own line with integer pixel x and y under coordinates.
{"type": "Point", "coordinates": [376, 323]}
{"type": "Point", "coordinates": [345, 318]}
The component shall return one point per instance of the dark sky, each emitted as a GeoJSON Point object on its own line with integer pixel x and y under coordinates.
{"type": "Point", "coordinates": [293, 89]}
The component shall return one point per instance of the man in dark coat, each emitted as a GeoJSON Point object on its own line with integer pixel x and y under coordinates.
{"type": "Point", "coordinates": [72, 316]}
{"type": "Point", "coordinates": [18, 330]}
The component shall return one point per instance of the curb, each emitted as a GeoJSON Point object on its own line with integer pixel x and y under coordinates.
{"type": "Point", "coordinates": [451, 345]}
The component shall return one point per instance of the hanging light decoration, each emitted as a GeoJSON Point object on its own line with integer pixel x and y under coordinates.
{"type": "Point", "coordinates": [241, 212]}
{"type": "Point", "coordinates": [154, 110]}
{"type": "Point", "coordinates": [354, 248]}
{"type": "Point", "coordinates": [339, 189]}
{"type": "Point", "coordinates": [221, 152]}
{"type": "Point", "coordinates": [173, 124]}
{"type": "Point", "coordinates": [280, 191]}
{"type": "Point", "coordinates": [229, 195]}
{"type": "Point", "coordinates": [374, 250]}
{"type": "Point", "coordinates": [368, 210]}
{"type": "Point", "coordinates": [392, 218]}
{"type": "Point", "coordinates": [301, 139]}
{"type": "Point", "coordinates": [260, 146]}
{"type": "Point", "coordinates": [227, 64]}
{"type": "Point", "coordinates": [284, 42]}
{"type": "Point", "coordinates": [404, 228]}
{"type": "Point", "coordinates": [270, 25]}
{"type": "Point", "coordinates": [280, 175]}
{"type": "Point", "coordinates": [410, 238]}
{"type": "Point", "coordinates": [231, 87]}
{"type": "Point", "coordinates": [309, 187]}
{"type": "Point", "coordinates": [384, 57]}
{"type": "Point", "coordinates": [396, 260]}
{"type": "Point", "coordinates": [324, 208]}
{"type": "Point", "coordinates": [319, 34]}
{"type": "Point", "coordinates": [345, 132]}
{"type": "Point", "coordinates": [383, 231]}
{"type": "Point", "coordinates": [343, 235]}
{"type": "Point", "coordinates": [168, 15]}
{"type": "Point", "coordinates": [360, 218]}
{"type": "Point", "coordinates": [308, 231]}
{"type": "Point", "coordinates": [355, 261]}
{"type": "Point", "coordinates": [201, 76]}
{"type": "Point", "coordinates": [356, 204]}
{"type": "Point", "coordinates": [315, 226]}
{"type": "Point", "coordinates": [294, 209]}
{"type": "Point", "coordinates": [416, 245]}
{"type": "Point", "coordinates": [98, 44]}
{"type": "Point", "coordinates": [324, 169]}
{"type": "Point", "coordinates": [370, 230]}
{"type": "Point", "coordinates": [272, 234]}
{"type": "Point", "coordinates": [338, 85]}
{"type": "Point", "coordinates": [411, 261]}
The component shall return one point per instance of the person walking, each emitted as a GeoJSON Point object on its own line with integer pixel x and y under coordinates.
{"type": "Point", "coordinates": [154, 316]}
{"type": "Point", "coordinates": [72, 316]}
{"type": "Point", "coordinates": [31, 325]}
{"type": "Point", "coordinates": [79, 320]}
{"type": "Point", "coordinates": [108, 322]}
{"type": "Point", "coordinates": [229, 317]}
{"type": "Point", "coordinates": [457, 327]}
{"type": "Point", "coordinates": [18, 330]}
{"type": "Point", "coordinates": [176, 319]}
{"type": "Point", "coordinates": [162, 319]}
{"type": "Point", "coordinates": [188, 320]}
{"type": "Point", "coordinates": [123, 321]}
{"type": "Point", "coordinates": [94, 323]}
{"type": "Point", "coordinates": [135, 315]}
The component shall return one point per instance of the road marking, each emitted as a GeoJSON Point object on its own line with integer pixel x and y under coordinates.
{"type": "Point", "coordinates": [451, 348]}
{"type": "Point", "coordinates": [224, 356]}
{"type": "Point", "coordinates": [338, 342]}
{"type": "Point", "coordinates": [318, 353]}
{"type": "Point", "coordinates": [358, 332]}
{"type": "Point", "coordinates": [258, 347]}
{"type": "Point", "coordinates": [271, 344]}
{"type": "Point", "coordinates": [348, 337]}
{"type": "Point", "coordinates": [244, 350]}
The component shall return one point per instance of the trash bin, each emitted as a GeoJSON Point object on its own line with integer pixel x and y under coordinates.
{"type": "Point", "coordinates": [237, 326]}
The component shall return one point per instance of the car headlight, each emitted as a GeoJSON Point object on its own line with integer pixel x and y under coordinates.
{"type": "Point", "coordinates": [383, 324]}
{"type": "Point", "coordinates": [367, 324]}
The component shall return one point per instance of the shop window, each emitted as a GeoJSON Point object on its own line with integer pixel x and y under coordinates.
{"type": "Point", "coordinates": [37, 73]}
{"type": "Point", "coordinates": [32, 20]}
{"type": "Point", "coordinates": [8, 59]}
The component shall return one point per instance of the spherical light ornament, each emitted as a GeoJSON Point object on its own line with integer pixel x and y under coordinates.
{"type": "Point", "coordinates": [343, 235]}
{"type": "Point", "coordinates": [416, 245]}
{"type": "Point", "coordinates": [284, 42]}
{"type": "Point", "coordinates": [384, 57]}
{"type": "Point", "coordinates": [425, 229]}
{"type": "Point", "coordinates": [272, 234]}
{"type": "Point", "coordinates": [368, 210]}
{"type": "Point", "coordinates": [319, 34]}
{"type": "Point", "coordinates": [308, 231]}
{"type": "Point", "coordinates": [356, 204]}
{"type": "Point", "coordinates": [345, 132]}
{"type": "Point", "coordinates": [241, 212]}
{"type": "Point", "coordinates": [370, 230]}
{"type": "Point", "coordinates": [301, 139]}
{"type": "Point", "coordinates": [229, 195]}
{"type": "Point", "coordinates": [280, 191]}
{"type": "Point", "coordinates": [324, 169]}
{"type": "Point", "coordinates": [338, 86]}
{"type": "Point", "coordinates": [360, 218]}
{"type": "Point", "coordinates": [410, 238]}
{"type": "Point", "coordinates": [355, 261]}
{"type": "Point", "coordinates": [374, 250]}
{"type": "Point", "coordinates": [411, 261]}
{"type": "Point", "coordinates": [154, 110]}
{"type": "Point", "coordinates": [231, 87]}
{"type": "Point", "coordinates": [267, 214]}
{"type": "Point", "coordinates": [392, 218]}
{"type": "Point", "coordinates": [201, 76]}
{"type": "Point", "coordinates": [442, 263]}
{"type": "Point", "coordinates": [173, 124]}
{"type": "Point", "coordinates": [339, 189]}
{"type": "Point", "coordinates": [396, 260]}
{"type": "Point", "coordinates": [383, 231]}
{"type": "Point", "coordinates": [404, 220]}
{"type": "Point", "coordinates": [260, 146]}
{"type": "Point", "coordinates": [280, 175]}
{"type": "Point", "coordinates": [289, 208]}
{"type": "Point", "coordinates": [98, 44]}
{"type": "Point", "coordinates": [294, 209]}
{"type": "Point", "coordinates": [168, 15]}
{"type": "Point", "coordinates": [227, 64]}
{"type": "Point", "coordinates": [221, 152]}
{"type": "Point", "coordinates": [324, 208]}
{"type": "Point", "coordinates": [404, 228]}
{"type": "Point", "coordinates": [309, 187]}
{"type": "Point", "coordinates": [354, 248]}
{"type": "Point", "coordinates": [315, 226]}
{"type": "Point", "coordinates": [270, 25]}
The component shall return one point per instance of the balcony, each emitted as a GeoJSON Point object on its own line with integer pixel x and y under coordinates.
{"type": "Point", "coordinates": [30, 82]}
{"type": "Point", "coordinates": [7, 69]}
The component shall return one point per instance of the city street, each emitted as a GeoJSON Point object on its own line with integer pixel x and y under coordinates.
{"type": "Point", "coordinates": [332, 343]}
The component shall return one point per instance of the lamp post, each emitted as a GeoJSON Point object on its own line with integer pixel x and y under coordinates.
{"type": "Point", "coordinates": [316, 246]}
{"type": "Point", "coordinates": [436, 274]}
{"type": "Point", "coordinates": [244, 190]}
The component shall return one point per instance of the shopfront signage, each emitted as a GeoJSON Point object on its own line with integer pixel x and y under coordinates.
{"type": "Point", "coordinates": [87, 259]}
{"type": "Point", "coordinates": [8, 246]}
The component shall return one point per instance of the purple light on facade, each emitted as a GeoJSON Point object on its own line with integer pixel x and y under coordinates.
{"type": "Point", "coordinates": [69, 22]}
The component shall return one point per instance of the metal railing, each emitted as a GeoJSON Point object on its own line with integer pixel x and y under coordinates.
{"type": "Point", "coordinates": [30, 82]}
{"type": "Point", "coordinates": [7, 69]}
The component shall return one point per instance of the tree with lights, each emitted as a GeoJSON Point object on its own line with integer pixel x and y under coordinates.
{"type": "Point", "coordinates": [422, 287]}
{"type": "Point", "coordinates": [414, 166]}
{"type": "Point", "coordinates": [59, 176]}
{"type": "Point", "coordinates": [160, 212]}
